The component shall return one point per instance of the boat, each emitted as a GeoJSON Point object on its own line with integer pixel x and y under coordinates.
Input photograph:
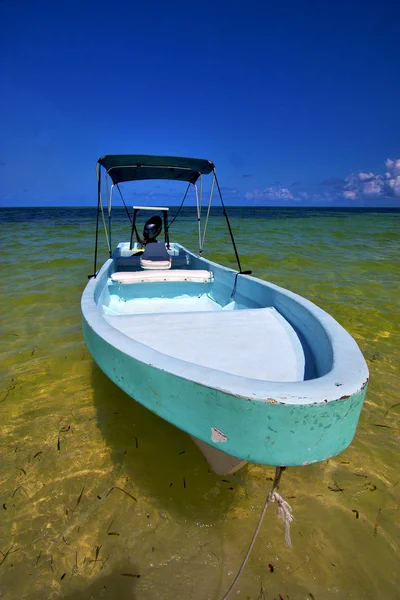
{"type": "Point", "coordinates": [251, 371]}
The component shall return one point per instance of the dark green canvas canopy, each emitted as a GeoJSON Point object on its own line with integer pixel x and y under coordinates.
{"type": "Point", "coordinates": [133, 167]}
{"type": "Point", "coordinates": [136, 167]}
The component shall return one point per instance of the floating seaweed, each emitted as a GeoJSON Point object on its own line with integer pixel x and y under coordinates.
{"type": "Point", "coordinates": [20, 487]}
{"type": "Point", "coordinates": [335, 487]}
{"type": "Point", "coordinates": [261, 595]}
{"type": "Point", "coordinates": [377, 521]}
{"type": "Point", "coordinates": [111, 532]}
{"type": "Point", "coordinates": [8, 390]}
{"type": "Point", "coordinates": [96, 556]}
{"type": "Point", "coordinates": [125, 492]}
{"type": "Point", "coordinates": [109, 527]}
{"type": "Point", "coordinates": [80, 495]}
{"type": "Point", "coordinates": [371, 487]}
{"type": "Point", "coordinates": [62, 430]}
{"type": "Point", "coordinates": [9, 551]}
{"type": "Point", "coordinates": [391, 407]}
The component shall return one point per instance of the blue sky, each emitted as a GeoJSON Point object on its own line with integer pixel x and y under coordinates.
{"type": "Point", "coordinates": [295, 102]}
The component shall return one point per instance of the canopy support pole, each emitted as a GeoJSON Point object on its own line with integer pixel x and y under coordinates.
{"type": "Point", "coordinates": [198, 219]}
{"type": "Point", "coordinates": [99, 210]}
{"type": "Point", "coordinates": [123, 202]}
{"type": "Point", "coordinates": [166, 232]}
{"type": "Point", "coordinates": [208, 211]}
{"type": "Point", "coordinates": [134, 230]}
{"type": "Point", "coordinates": [109, 200]}
{"type": "Point", "coordinates": [229, 227]}
{"type": "Point", "coordinates": [98, 171]}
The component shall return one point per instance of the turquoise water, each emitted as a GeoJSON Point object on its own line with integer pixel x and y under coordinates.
{"type": "Point", "coordinates": [95, 490]}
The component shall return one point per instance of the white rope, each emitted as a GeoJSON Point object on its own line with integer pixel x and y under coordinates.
{"type": "Point", "coordinates": [284, 512]}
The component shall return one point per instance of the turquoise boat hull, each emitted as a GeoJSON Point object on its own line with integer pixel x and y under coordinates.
{"type": "Point", "coordinates": [304, 415]}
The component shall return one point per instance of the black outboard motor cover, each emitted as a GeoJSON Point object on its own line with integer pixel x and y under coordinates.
{"type": "Point", "coordinates": [152, 229]}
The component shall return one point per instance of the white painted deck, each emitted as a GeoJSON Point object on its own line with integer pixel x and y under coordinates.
{"type": "Point", "coordinates": [254, 343]}
{"type": "Point", "coordinates": [179, 304]}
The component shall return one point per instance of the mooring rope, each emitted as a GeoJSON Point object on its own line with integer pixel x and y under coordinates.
{"type": "Point", "coordinates": [284, 512]}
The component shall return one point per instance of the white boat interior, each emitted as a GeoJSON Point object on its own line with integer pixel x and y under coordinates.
{"type": "Point", "coordinates": [186, 315]}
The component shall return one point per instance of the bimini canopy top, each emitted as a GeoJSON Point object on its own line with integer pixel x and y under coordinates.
{"type": "Point", "coordinates": [133, 167]}
{"type": "Point", "coordinates": [137, 167]}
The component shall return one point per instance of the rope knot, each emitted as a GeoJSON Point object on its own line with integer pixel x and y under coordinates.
{"type": "Point", "coordinates": [284, 512]}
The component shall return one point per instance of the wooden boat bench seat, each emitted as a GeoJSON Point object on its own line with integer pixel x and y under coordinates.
{"type": "Point", "coordinates": [255, 343]}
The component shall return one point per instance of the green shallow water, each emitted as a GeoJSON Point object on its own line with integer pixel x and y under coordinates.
{"type": "Point", "coordinates": [95, 490]}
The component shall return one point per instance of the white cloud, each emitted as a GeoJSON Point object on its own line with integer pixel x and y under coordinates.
{"type": "Point", "coordinates": [373, 187]}
{"type": "Point", "coordinates": [360, 185]}
{"type": "Point", "coordinates": [389, 163]}
{"type": "Point", "coordinates": [364, 176]}
{"type": "Point", "coordinates": [394, 184]}
{"type": "Point", "coordinates": [270, 193]}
